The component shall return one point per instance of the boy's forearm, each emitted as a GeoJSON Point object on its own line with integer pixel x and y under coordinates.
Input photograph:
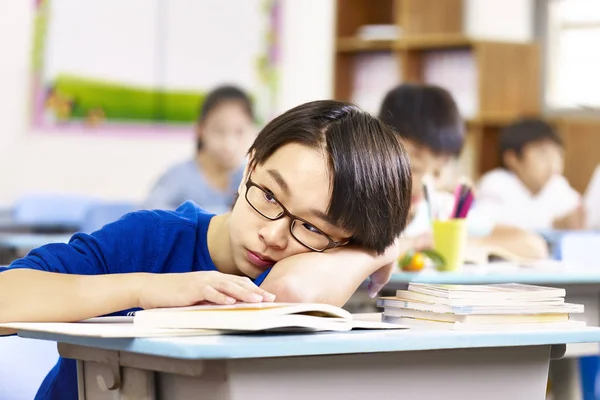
{"type": "Point", "coordinates": [518, 241]}
{"type": "Point", "coordinates": [37, 296]}
{"type": "Point", "coordinates": [321, 277]}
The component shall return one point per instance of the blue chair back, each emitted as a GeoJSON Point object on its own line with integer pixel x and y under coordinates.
{"type": "Point", "coordinates": [100, 214]}
{"type": "Point", "coordinates": [49, 209]}
{"type": "Point", "coordinates": [579, 248]}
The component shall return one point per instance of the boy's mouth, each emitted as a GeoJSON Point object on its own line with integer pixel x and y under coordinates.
{"type": "Point", "coordinates": [259, 260]}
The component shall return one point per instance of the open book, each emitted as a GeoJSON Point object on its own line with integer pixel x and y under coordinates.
{"type": "Point", "coordinates": [476, 253]}
{"type": "Point", "coordinates": [213, 319]}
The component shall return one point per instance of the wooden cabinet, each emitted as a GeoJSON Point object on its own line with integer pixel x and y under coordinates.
{"type": "Point", "coordinates": [506, 77]}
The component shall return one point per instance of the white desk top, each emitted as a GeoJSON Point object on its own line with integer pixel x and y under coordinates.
{"type": "Point", "coordinates": [483, 275]}
{"type": "Point", "coordinates": [284, 345]}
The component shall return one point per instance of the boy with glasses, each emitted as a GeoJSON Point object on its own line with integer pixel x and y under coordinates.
{"type": "Point", "coordinates": [324, 197]}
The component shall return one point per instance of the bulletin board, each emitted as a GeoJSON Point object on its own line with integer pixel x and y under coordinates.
{"type": "Point", "coordinates": [146, 65]}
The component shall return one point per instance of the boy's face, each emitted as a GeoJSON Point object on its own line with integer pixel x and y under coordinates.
{"type": "Point", "coordinates": [538, 162]}
{"type": "Point", "coordinates": [297, 177]}
{"type": "Point", "coordinates": [423, 163]}
{"type": "Point", "coordinates": [226, 134]}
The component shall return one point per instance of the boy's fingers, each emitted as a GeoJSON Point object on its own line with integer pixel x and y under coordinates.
{"type": "Point", "coordinates": [249, 285]}
{"type": "Point", "coordinates": [216, 297]}
{"type": "Point", "coordinates": [239, 292]}
{"type": "Point", "coordinates": [374, 288]}
{"type": "Point", "coordinates": [380, 278]}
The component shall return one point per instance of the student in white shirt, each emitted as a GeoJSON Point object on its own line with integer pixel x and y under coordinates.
{"type": "Point", "coordinates": [433, 133]}
{"type": "Point", "coordinates": [529, 190]}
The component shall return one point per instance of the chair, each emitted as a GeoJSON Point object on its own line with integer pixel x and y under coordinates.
{"type": "Point", "coordinates": [101, 213]}
{"type": "Point", "coordinates": [51, 211]}
{"type": "Point", "coordinates": [577, 248]}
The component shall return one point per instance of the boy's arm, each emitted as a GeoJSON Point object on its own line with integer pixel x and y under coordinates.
{"type": "Point", "coordinates": [34, 295]}
{"type": "Point", "coordinates": [114, 269]}
{"type": "Point", "coordinates": [65, 282]}
{"type": "Point", "coordinates": [516, 240]}
{"type": "Point", "coordinates": [330, 277]}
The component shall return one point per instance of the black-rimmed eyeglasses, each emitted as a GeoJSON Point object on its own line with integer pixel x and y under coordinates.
{"type": "Point", "coordinates": [265, 203]}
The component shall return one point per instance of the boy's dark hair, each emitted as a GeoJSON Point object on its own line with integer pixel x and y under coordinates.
{"type": "Point", "coordinates": [371, 184]}
{"type": "Point", "coordinates": [222, 95]}
{"type": "Point", "coordinates": [523, 132]}
{"type": "Point", "coordinates": [425, 114]}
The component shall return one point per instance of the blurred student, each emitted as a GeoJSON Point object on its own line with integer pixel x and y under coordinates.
{"type": "Point", "coordinates": [529, 190]}
{"type": "Point", "coordinates": [224, 131]}
{"type": "Point", "coordinates": [433, 133]}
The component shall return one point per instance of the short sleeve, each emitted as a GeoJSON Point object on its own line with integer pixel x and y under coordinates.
{"type": "Point", "coordinates": [479, 222]}
{"type": "Point", "coordinates": [565, 199]}
{"type": "Point", "coordinates": [166, 192]}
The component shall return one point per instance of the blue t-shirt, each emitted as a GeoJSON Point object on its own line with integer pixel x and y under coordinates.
{"type": "Point", "coordinates": [186, 182]}
{"type": "Point", "coordinates": [143, 241]}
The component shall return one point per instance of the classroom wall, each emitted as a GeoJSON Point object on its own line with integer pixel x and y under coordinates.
{"type": "Point", "coordinates": [124, 168]}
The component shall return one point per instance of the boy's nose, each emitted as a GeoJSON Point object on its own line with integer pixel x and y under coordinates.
{"type": "Point", "coordinates": [275, 233]}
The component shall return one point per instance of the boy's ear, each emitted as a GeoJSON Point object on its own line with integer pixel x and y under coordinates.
{"type": "Point", "coordinates": [510, 159]}
{"type": "Point", "coordinates": [199, 129]}
{"type": "Point", "coordinates": [247, 171]}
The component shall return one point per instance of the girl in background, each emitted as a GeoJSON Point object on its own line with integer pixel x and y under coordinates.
{"type": "Point", "coordinates": [224, 132]}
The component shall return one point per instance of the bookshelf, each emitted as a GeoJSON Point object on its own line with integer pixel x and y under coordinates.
{"type": "Point", "coordinates": [493, 82]}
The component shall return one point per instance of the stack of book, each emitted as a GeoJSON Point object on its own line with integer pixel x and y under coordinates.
{"type": "Point", "coordinates": [481, 307]}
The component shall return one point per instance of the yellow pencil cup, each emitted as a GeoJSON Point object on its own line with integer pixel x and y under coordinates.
{"type": "Point", "coordinates": [450, 240]}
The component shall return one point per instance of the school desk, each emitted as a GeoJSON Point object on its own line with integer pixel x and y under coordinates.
{"type": "Point", "coordinates": [9, 225]}
{"type": "Point", "coordinates": [29, 241]}
{"type": "Point", "coordinates": [410, 364]}
{"type": "Point", "coordinates": [582, 287]}
{"type": "Point", "coordinates": [15, 245]}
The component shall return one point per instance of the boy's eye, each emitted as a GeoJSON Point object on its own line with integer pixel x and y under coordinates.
{"type": "Point", "coordinates": [268, 196]}
{"type": "Point", "coordinates": [310, 228]}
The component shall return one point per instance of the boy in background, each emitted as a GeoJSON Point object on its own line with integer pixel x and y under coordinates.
{"type": "Point", "coordinates": [432, 132]}
{"type": "Point", "coordinates": [529, 191]}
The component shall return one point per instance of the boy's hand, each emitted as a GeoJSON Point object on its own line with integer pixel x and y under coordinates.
{"type": "Point", "coordinates": [186, 289]}
{"type": "Point", "coordinates": [574, 220]}
{"type": "Point", "coordinates": [382, 276]}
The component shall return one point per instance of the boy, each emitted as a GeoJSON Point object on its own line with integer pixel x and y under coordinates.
{"type": "Point", "coordinates": [432, 131]}
{"type": "Point", "coordinates": [324, 179]}
{"type": "Point", "coordinates": [528, 191]}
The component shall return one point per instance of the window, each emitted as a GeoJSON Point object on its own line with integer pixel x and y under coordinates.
{"type": "Point", "coordinates": [573, 56]}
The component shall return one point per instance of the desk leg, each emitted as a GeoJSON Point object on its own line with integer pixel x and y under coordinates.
{"type": "Point", "coordinates": [136, 384]}
{"type": "Point", "coordinates": [564, 374]}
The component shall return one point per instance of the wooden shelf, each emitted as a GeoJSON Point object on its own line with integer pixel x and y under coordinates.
{"type": "Point", "coordinates": [507, 73]}
{"type": "Point", "coordinates": [355, 45]}
{"type": "Point", "coordinates": [431, 42]}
